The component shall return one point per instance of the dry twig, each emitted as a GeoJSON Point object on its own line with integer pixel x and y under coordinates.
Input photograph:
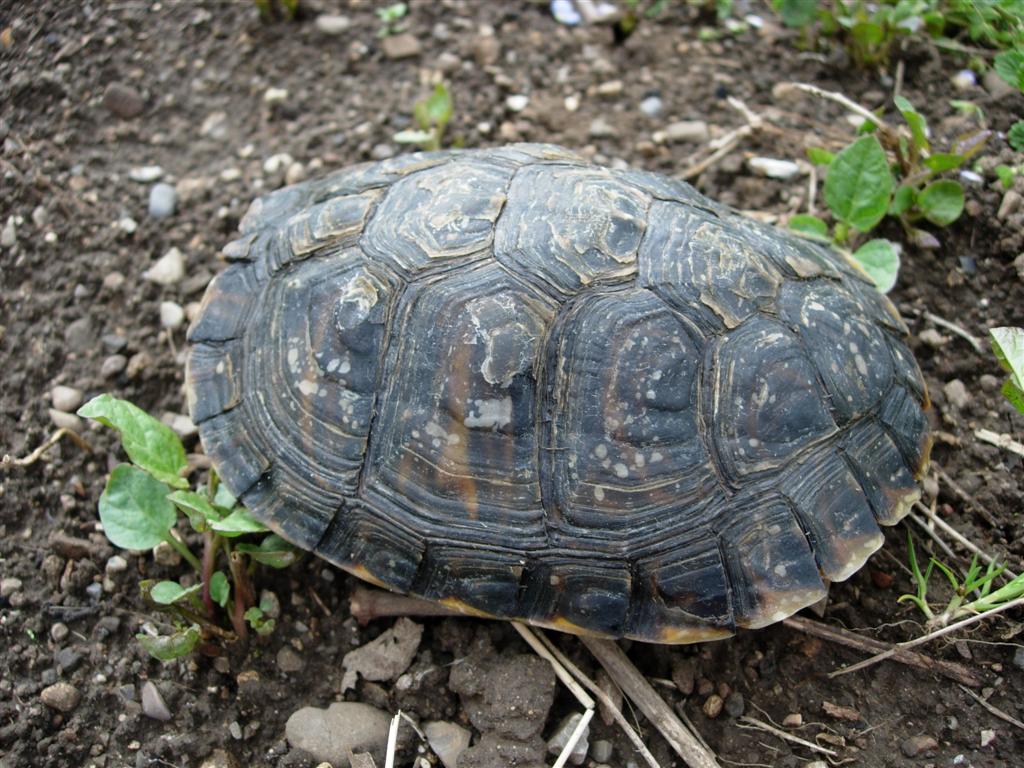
{"type": "Point", "coordinates": [994, 709]}
{"type": "Point", "coordinates": [783, 89]}
{"type": "Point", "coordinates": [727, 143]}
{"type": "Point", "coordinates": [1005, 442]}
{"type": "Point", "coordinates": [956, 329]}
{"type": "Point", "coordinates": [753, 722]}
{"type": "Point", "coordinates": [37, 454]}
{"type": "Point", "coordinates": [958, 537]}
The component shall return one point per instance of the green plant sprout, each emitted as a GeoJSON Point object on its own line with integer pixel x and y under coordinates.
{"type": "Point", "coordinates": [972, 595]}
{"type": "Point", "coordinates": [1007, 173]}
{"type": "Point", "coordinates": [431, 116]}
{"type": "Point", "coordinates": [271, 10]}
{"type": "Point", "coordinates": [139, 509]}
{"type": "Point", "coordinates": [890, 173]}
{"type": "Point", "coordinates": [1008, 345]}
{"type": "Point", "coordinates": [390, 16]}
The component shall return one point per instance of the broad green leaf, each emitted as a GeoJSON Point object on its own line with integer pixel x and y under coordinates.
{"type": "Point", "coordinates": [413, 137]}
{"type": "Point", "coordinates": [237, 523]}
{"type": "Point", "coordinates": [902, 201]}
{"type": "Point", "coordinates": [223, 498]}
{"type": "Point", "coordinates": [819, 156]}
{"type": "Point", "coordinates": [1016, 136]}
{"type": "Point", "coordinates": [1009, 65]}
{"type": "Point", "coordinates": [809, 226]}
{"type": "Point", "coordinates": [170, 592]}
{"type": "Point", "coordinates": [199, 511]}
{"type": "Point", "coordinates": [881, 260]}
{"type": "Point", "coordinates": [858, 184]}
{"type": "Point", "coordinates": [273, 551]}
{"type": "Point", "coordinates": [868, 34]}
{"type": "Point", "coordinates": [916, 121]}
{"type": "Point", "coordinates": [967, 107]}
{"type": "Point", "coordinates": [171, 647]}
{"type": "Point", "coordinates": [1005, 174]}
{"type": "Point", "coordinates": [439, 106]}
{"type": "Point", "coordinates": [1014, 394]}
{"type": "Point", "coordinates": [134, 509]}
{"type": "Point", "coordinates": [796, 13]}
{"type": "Point", "coordinates": [220, 589]}
{"type": "Point", "coordinates": [941, 202]}
{"type": "Point", "coordinates": [1008, 345]}
{"type": "Point", "coordinates": [943, 161]}
{"type": "Point", "coordinates": [148, 443]}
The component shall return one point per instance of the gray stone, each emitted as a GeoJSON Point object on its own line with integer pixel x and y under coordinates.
{"type": "Point", "coordinates": [9, 235]}
{"type": "Point", "coordinates": [9, 586]}
{"type": "Point", "coordinates": [1018, 657]}
{"type": "Point", "coordinates": [65, 399]}
{"type": "Point", "coordinates": [448, 741]}
{"type": "Point", "coordinates": [329, 734]}
{"type": "Point", "coordinates": [67, 659]}
{"type": "Point", "coordinates": [62, 420]}
{"type": "Point", "coordinates": [382, 151]}
{"type": "Point", "coordinates": [116, 564]}
{"type": "Point", "coordinates": [601, 751]}
{"type": "Point", "coordinates": [153, 704]}
{"type": "Point", "coordinates": [63, 697]}
{"type": "Point", "coordinates": [123, 101]}
{"type": "Point", "coordinates": [59, 632]}
{"type": "Point", "coordinates": [600, 128]}
{"type": "Point", "coordinates": [384, 658]}
{"type": "Point", "coordinates": [332, 23]}
{"type": "Point", "coordinates": [773, 168]}
{"type": "Point", "coordinates": [112, 366]}
{"type": "Point", "coordinates": [1010, 204]}
{"type": "Point", "coordinates": [652, 106]}
{"type": "Point", "coordinates": [288, 661]}
{"type": "Point", "coordinates": [78, 335]}
{"type": "Point", "coordinates": [560, 738]}
{"type": "Point", "coordinates": [162, 200]}
{"type": "Point", "coordinates": [956, 394]}
{"type": "Point", "coordinates": [917, 745]}
{"type": "Point", "coordinates": [735, 704]}
{"type": "Point", "coordinates": [517, 102]}
{"type": "Point", "coordinates": [168, 269]}
{"type": "Point", "coordinates": [172, 315]}
{"type": "Point", "coordinates": [486, 50]}
{"type": "Point", "coordinates": [401, 46]}
{"type": "Point", "coordinates": [215, 126]}
{"type": "Point", "coordinates": [996, 86]}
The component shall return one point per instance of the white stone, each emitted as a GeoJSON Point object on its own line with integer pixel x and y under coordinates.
{"type": "Point", "coordinates": [332, 23]}
{"type": "Point", "coordinates": [773, 168]}
{"type": "Point", "coordinates": [168, 269]}
{"type": "Point", "coordinates": [517, 102]}
{"type": "Point", "coordinates": [276, 163]}
{"type": "Point", "coordinates": [172, 315]}
{"type": "Point", "coordinates": [66, 399]}
{"type": "Point", "coordinates": [146, 174]}
{"type": "Point", "coordinates": [695, 131]}
{"type": "Point", "coordinates": [275, 95]}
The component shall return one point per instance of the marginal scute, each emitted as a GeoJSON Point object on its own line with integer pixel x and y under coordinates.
{"type": "Point", "coordinates": [903, 414]}
{"type": "Point", "coordinates": [593, 595]}
{"type": "Point", "coordinates": [887, 482]}
{"type": "Point", "coordinates": [213, 373]}
{"type": "Point", "coordinates": [771, 568]}
{"type": "Point", "coordinates": [766, 403]}
{"type": "Point", "coordinates": [363, 542]}
{"type": "Point", "coordinates": [568, 227]}
{"type": "Point", "coordinates": [229, 301]}
{"type": "Point", "coordinates": [337, 221]}
{"type": "Point", "coordinates": [834, 511]}
{"type": "Point", "coordinates": [850, 352]}
{"type": "Point", "coordinates": [482, 578]}
{"type": "Point", "coordinates": [454, 207]}
{"type": "Point", "coordinates": [697, 263]}
{"type": "Point", "coordinates": [240, 461]}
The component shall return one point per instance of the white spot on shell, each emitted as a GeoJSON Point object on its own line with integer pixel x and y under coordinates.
{"type": "Point", "coordinates": [599, 493]}
{"type": "Point", "coordinates": [490, 413]}
{"type": "Point", "coordinates": [601, 450]}
{"type": "Point", "coordinates": [308, 387]}
{"type": "Point", "coordinates": [621, 470]}
{"type": "Point", "coordinates": [656, 457]}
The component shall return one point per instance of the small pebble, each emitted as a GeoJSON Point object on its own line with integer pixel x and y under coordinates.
{"type": "Point", "coordinates": [987, 737]}
{"type": "Point", "coordinates": [601, 751]}
{"type": "Point", "coordinates": [774, 169]}
{"type": "Point", "coordinates": [9, 235]}
{"type": "Point", "coordinates": [447, 740]}
{"type": "Point", "coordinates": [401, 46]}
{"type": "Point", "coordinates": [168, 269]}
{"type": "Point", "coordinates": [181, 424]}
{"type": "Point", "coordinates": [153, 704]}
{"type": "Point", "coordinates": [1018, 657]}
{"type": "Point", "coordinates": [734, 704]}
{"type": "Point", "coordinates": [275, 95]}
{"type": "Point", "coordinates": [964, 80]}
{"type": "Point", "coordinates": [65, 399]}
{"type": "Point", "coordinates": [123, 101]}
{"type": "Point", "coordinates": [332, 23]}
{"type": "Point", "coordinates": [296, 172]}
{"type": "Point", "coordinates": [162, 200]}
{"type": "Point", "coordinates": [116, 564]}
{"type": "Point", "coordinates": [127, 224]}
{"type": "Point", "coordinates": [1010, 204]}
{"type": "Point", "coordinates": [916, 745]}
{"type": "Point", "coordinates": [486, 50]}
{"type": "Point", "coordinates": [610, 88]}
{"type": "Point", "coordinates": [956, 393]}
{"type": "Point", "coordinates": [517, 102]}
{"type": "Point", "coordinates": [146, 174]}
{"type": "Point", "coordinates": [62, 420]}
{"type": "Point", "coordinates": [652, 106]}
{"type": "Point", "coordinates": [713, 706]}
{"type": "Point", "coordinates": [695, 131]}
{"type": "Point", "coordinates": [601, 129]}
{"type": "Point", "coordinates": [113, 365]}
{"type": "Point", "coordinates": [172, 315]}
{"type": "Point", "coordinates": [235, 730]}
{"type": "Point", "coordinates": [94, 591]}
{"type": "Point", "coordinates": [68, 659]}
{"type": "Point", "coordinates": [165, 554]}
{"type": "Point", "coordinates": [63, 697]}
{"type": "Point", "coordinates": [933, 338]}
{"type": "Point", "coordinates": [215, 126]}
{"type": "Point", "coordinates": [277, 163]}
{"type": "Point", "coordinates": [382, 151]}
{"type": "Point", "coordinates": [9, 586]}
{"type": "Point", "coordinates": [288, 661]}
{"type": "Point", "coordinates": [561, 736]}
{"type": "Point", "coordinates": [59, 632]}
{"type": "Point", "coordinates": [39, 217]}
{"type": "Point", "coordinates": [793, 720]}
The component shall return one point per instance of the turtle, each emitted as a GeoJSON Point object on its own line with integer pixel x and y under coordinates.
{"type": "Point", "coordinates": [529, 387]}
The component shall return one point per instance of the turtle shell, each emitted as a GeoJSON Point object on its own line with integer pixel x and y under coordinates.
{"type": "Point", "coordinates": [530, 387]}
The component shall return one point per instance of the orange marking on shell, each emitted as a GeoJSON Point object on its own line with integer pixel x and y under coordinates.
{"type": "Point", "coordinates": [685, 635]}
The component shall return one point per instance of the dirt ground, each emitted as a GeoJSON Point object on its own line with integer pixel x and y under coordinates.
{"type": "Point", "coordinates": [199, 97]}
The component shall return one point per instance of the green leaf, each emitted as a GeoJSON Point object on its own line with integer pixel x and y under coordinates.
{"type": "Point", "coordinates": [1016, 136]}
{"type": "Point", "coordinates": [1014, 394]}
{"type": "Point", "coordinates": [809, 226]}
{"type": "Point", "coordinates": [224, 499]}
{"type": "Point", "coordinates": [1008, 345]}
{"type": "Point", "coordinates": [134, 509]}
{"type": "Point", "coordinates": [258, 622]}
{"type": "Point", "coordinates": [237, 523]}
{"type": "Point", "coordinates": [916, 121]}
{"type": "Point", "coordinates": [868, 34]}
{"type": "Point", "coordinates": [439, 106]}
{"type": "Point", "coordinates": [967, 107]}
{"type": "Point", "coordinates": [1009, 65]}
{"type": "Point", "coordinates": [902, 201]}
{"type": "Point", "coordinates": [199, 511]}
{"type": "Point", "coordinates": [796, 13]}
{"type": "Point", "coordinates": [943, 161]}
{"type": "Point", "coordinates": [941, 202]}
{"type": "Point", "coordinates": [170, 592]}
{"type": "Point", "coordinates": [858, 184]}
{"type": "Point", "coordinates": [1005, 174]}
{"type": "Point", "coordinates": [170, 647]}
{"type": "Point", "coordinates": [819, 156]}
{"type": "Point", "coordinates": [273, 551]}
{"type": "Point", "coordinates": [881, 260]}
{"type": "Point", "coordinates": [151, 445]}
{"type": "Point", "coordinates": [220, 589]}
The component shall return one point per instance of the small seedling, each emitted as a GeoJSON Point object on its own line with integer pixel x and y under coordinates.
{"type": "Point", "coordinates": [1007, 173]}
{"type": "Point", "coordinates": [1008, 345]}
{"type": "Point", "coordinates": [273, 10]}
{"type": "Point", "coordinates": [890, 173]}
{"type": "Point", "coordinates": [139, 509]}
{"type": "Point", "coordinates": [431, 116]}
{"type": "Point", "coordinates": [390, 17]}
{"type": "Point", "coordinates": [973, 594]}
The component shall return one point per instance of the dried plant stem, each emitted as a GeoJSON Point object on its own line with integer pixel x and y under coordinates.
{"type": "Point", "coordinates": [782, 89]}
{"type": "Point", "coordinates": [994, 709]}
{"type": "Point", "coordinates": [635, 686]}
{"type": "Point", "coordinates": [1005, 442]}
{"type": "Point", "coordinates": [755, 723]}
{"type": "Point", "coordinates": [958, 537]}
{"type": "Point", "coordinates": [727, 143]}
{"type": "Point", "coordinates": [51, 441]}
{"type": "Point", "coordinates": [882, 650]}
{"type": "Point", "coordinates": [956, 329]}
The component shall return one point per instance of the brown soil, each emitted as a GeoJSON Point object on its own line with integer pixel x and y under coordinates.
{"type": "Point", "coordinates": [65, 165]}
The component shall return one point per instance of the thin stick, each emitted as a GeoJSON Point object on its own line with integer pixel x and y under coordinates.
{"type": "Point", "coordinates": [754, 722]}
{"type": "Point", "coordinates": [604, 698]}
{"type": "Point", "coordinates": [365, 605]}
{"type": "Point", "coordinates": [958, 330]}
{"type": "Point", "coordinates": [959, 537]}
{"type": "Point", "coordinates": [389, 760]}
{"type": "Point", "coordinates": [1005, 442]}
{"type": "Point", "coordinates": [727, 143]}
{"type": "Point", "coordinates": [901, 647]}
{"type": "Point", "coordinates": [567, 680]}
{"type": "Point", "coordinates": [628, 677]}
{"type": "Point", "coordinates": [37, 454]}
{"type": "Point", "coordinates": [965, 496]}
{"type": "Point", "coordinates": [994, 709]}
{"type": "Point", "coordinates": [883, 650]}
{"type": "Point", "coordinates": [782, 89]}
{"type": "Point", "coordinates": [934, 536]}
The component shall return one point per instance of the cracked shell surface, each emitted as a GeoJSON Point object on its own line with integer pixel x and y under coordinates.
{"type": "Point", "coordinates": [529, 387]}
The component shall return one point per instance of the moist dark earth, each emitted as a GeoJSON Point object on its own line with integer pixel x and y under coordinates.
{"type": "Point", "coordinates": [230, 107]}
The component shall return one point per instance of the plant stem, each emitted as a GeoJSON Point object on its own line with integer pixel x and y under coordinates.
{"type": "Point", "coordinates": [184, 551]}
{"type": "Point", "coordinates": [210, 545]}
